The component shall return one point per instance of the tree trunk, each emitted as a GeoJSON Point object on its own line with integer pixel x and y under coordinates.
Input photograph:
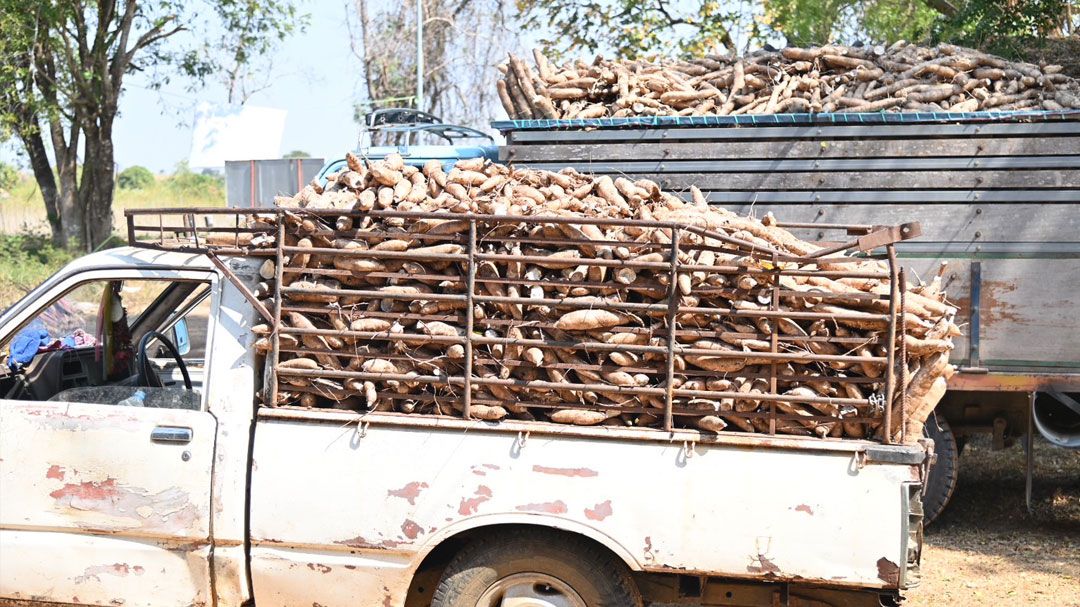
{"type": "Point", "coordinates": [65, 149]}
{"type": "Point", "coordinates": [43, 174]}
{"type": "Point", "coordinates": [96, 187]}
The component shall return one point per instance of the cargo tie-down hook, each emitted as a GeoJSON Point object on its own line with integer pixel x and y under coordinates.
{"type": "Point", "coordinates": [688, 449]}
{"type": "Point", "coordinates": [522, 437]}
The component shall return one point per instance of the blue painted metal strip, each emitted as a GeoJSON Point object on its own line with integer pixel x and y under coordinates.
{"type": "Point", "coordinates": [782, 119]}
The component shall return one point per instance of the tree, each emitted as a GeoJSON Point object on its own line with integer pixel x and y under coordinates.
{"type": "Point", "coordinates": [297, 154]}
{"type": "Point", "coordinates": [135, 178]}
{"type": "Point", "coordinates": [463, 41]}
{"type": "Point", "coordinates": [240, 56]}
{"type": "Point", "coordinates": [62, 70]}
{"type": "Point", "coordinates": [634, 28]}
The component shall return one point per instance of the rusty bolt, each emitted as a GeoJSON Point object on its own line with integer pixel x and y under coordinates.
{"type": "Point", "coordinates": [978, 211]}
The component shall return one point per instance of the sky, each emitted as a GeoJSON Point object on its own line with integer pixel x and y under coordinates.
{"type": "Point", "coordinates": [315, 79]}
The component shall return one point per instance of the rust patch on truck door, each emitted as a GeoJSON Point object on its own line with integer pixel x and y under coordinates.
{"type": "Point", "coordinates": [888, 571]}
{"type": "Point", "coordinates": [470, 504]}
{"type": "Point", "coordinates": [556, 507]}
{"type": "Point", "coordinates": [599, 512]}
{"type": "Point", "coordinates": [582, 472]}
{"type": "Point", "coordinates": [167, 510]}
{"type": "Point", "coordinates": [409, 492]}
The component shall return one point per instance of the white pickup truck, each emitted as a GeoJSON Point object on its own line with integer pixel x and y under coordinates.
{"type": "Point", "coordinates": [132, 475]}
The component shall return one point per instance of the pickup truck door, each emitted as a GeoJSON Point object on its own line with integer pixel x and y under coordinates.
{"type": "Point", "coordinates": [105, 504]}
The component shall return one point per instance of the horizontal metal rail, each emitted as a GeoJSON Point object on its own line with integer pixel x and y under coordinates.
{"type": "Point", "coordinates": [476, 274]}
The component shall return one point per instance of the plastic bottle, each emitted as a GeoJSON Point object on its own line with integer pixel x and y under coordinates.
{"type": "Point", "coordinates": [135, 400]}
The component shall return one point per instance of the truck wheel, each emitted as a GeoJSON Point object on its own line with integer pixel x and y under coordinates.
{"type": "Point", "coordinates": [535, 569]}
{"type": "Point", "coordinates": [941, 482]}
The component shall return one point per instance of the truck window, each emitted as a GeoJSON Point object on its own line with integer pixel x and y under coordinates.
{"type": "Point", "coordinates": [89, 346]}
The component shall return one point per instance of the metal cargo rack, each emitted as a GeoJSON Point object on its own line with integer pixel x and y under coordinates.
{"type": "Point", "coordinates": [229, 232]}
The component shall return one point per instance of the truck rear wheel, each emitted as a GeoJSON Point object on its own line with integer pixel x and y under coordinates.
{"type": "Point", "coordinates": [535, 569]}
{"type": "Point", "coordinates": [941, 482]}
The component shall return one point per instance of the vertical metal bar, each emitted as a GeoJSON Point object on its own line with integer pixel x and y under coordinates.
{"type": "Point", "coordinates": [673, 307]}
{"type": "Point", "coordinates": [774, 340]}
{"type": "Point", "coordinates": [470, 284]}
{"type": "Point", "coordinates": [902, 283]}
{"type": "Point", "coordinates": [189, 218]}
{"type": "Point", "coordinates": [975, 323]}
{"type": "Point", "coordinates": [420, 55]}
{"type": "Point", "coordinates": [275, 335]}
{"type": "Point", "coordinates": [1029, 446]}
{"type": "Point", "coordinates": [890, 356]}
{"type": "Point", "coordinates": [131, 229]}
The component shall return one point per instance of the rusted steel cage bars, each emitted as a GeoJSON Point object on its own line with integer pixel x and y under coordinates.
{"type": "Point", "coordinates": [463, 290]}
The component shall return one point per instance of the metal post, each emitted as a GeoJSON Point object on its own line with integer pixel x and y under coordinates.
{"type": "Point", "coordinates": [774, 337]}
{"type": "Point", "coordinates": [890, 371]}
{"type": "Point", "coordinates": [903, 357]}
{"type": "Point", "coordinates": [1029, 447]}
{"type": "Point", "coordinates": [275, 336]}
{"type": "Point", "coordinates": [470, 285]}
{"type": "Point", "coordinates": [420, 55]}
{"type": "Point", "coordinates": [672, 310]}
{"type": "Point", "coordinates": [975, 321]}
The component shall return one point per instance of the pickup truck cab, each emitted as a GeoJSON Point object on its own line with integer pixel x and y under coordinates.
{"type": "Point", "coordinates": [136, 473]}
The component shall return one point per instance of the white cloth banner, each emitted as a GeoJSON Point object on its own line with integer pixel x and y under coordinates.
{"type": "Point", "coordinates": [233, 132]}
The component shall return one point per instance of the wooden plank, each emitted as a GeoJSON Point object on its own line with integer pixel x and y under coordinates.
{"type": "Point", "coordinates": [756, 133]}
{"type": "Point", "coordinates": [840, 148]}
{"type": "Point", "coordinates": [824, 164]}
{"type": "Point", "coordinates": [884, 180]}
{"type": "Point", "coordinates": [897, 196]}
{"type": "Point", "coordinates": [960, 223]}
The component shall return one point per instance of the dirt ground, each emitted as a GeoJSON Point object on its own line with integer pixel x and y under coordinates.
{"type": "Point", "coordinates": [987, 550]}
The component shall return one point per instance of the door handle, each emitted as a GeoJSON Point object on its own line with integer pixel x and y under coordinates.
{"type": "Point", "coordinates": [171, 434]}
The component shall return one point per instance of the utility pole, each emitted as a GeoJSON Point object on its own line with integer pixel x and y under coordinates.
{"type": "Point", "coordinates": [420, 54]}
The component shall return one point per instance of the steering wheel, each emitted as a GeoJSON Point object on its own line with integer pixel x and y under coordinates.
{"type": "Point", "coordinates": [145, 375]}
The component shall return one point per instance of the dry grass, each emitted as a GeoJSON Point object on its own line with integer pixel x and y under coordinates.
{"type": "Point", "coordinates": [23, 209]}
{"type": "Point", "coordinates": [987, 550]}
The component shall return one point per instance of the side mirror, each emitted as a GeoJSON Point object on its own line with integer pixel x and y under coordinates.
{"type": "Point", "coordinates": [181, 338]}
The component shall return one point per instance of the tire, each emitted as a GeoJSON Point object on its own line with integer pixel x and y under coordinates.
{"type": "Point", "coordinates": [574, 570]}
{"type": "Point", "coordinates": [941, 481]}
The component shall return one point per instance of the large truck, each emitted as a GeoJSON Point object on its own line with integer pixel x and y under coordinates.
{"type": "Point", "coordinates": [997, 195]}
{"type": "Point", "coordinates": [137, 471]}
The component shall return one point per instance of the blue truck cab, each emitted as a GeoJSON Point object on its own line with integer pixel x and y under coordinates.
{"type": "Point", "coordinates": [414, 124]}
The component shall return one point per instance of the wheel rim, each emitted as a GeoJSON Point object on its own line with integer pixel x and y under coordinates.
{"type": "Point", "coordinates": [530, 590]}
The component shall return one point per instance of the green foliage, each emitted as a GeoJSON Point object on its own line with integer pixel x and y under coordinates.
{"type": "Point", "coordinates": [135, 178]}
{"type": "Point", "coordinates": [187, 184]}
{"type": "Point", "coordinates": [297, 154]}
{"type": "Point", "coordinates": [632, 28]}
{"type": "Point", "coordinates": [26, 259]}
{"type": "Point", "coordinates": [636, 28]}
{"type": "Point", "coordinates": [1005, 27]}
{"type": "Point", "coordinates": [9, 177]}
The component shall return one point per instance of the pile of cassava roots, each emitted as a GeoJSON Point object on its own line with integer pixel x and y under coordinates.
{"type": "Point", "coordinates": [570, 319]}
{"type": "Point", "coordinates": [903, 77]}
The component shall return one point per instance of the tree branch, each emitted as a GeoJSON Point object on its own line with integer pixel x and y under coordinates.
{"type": "Point", "coordinates": [945, 7]}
